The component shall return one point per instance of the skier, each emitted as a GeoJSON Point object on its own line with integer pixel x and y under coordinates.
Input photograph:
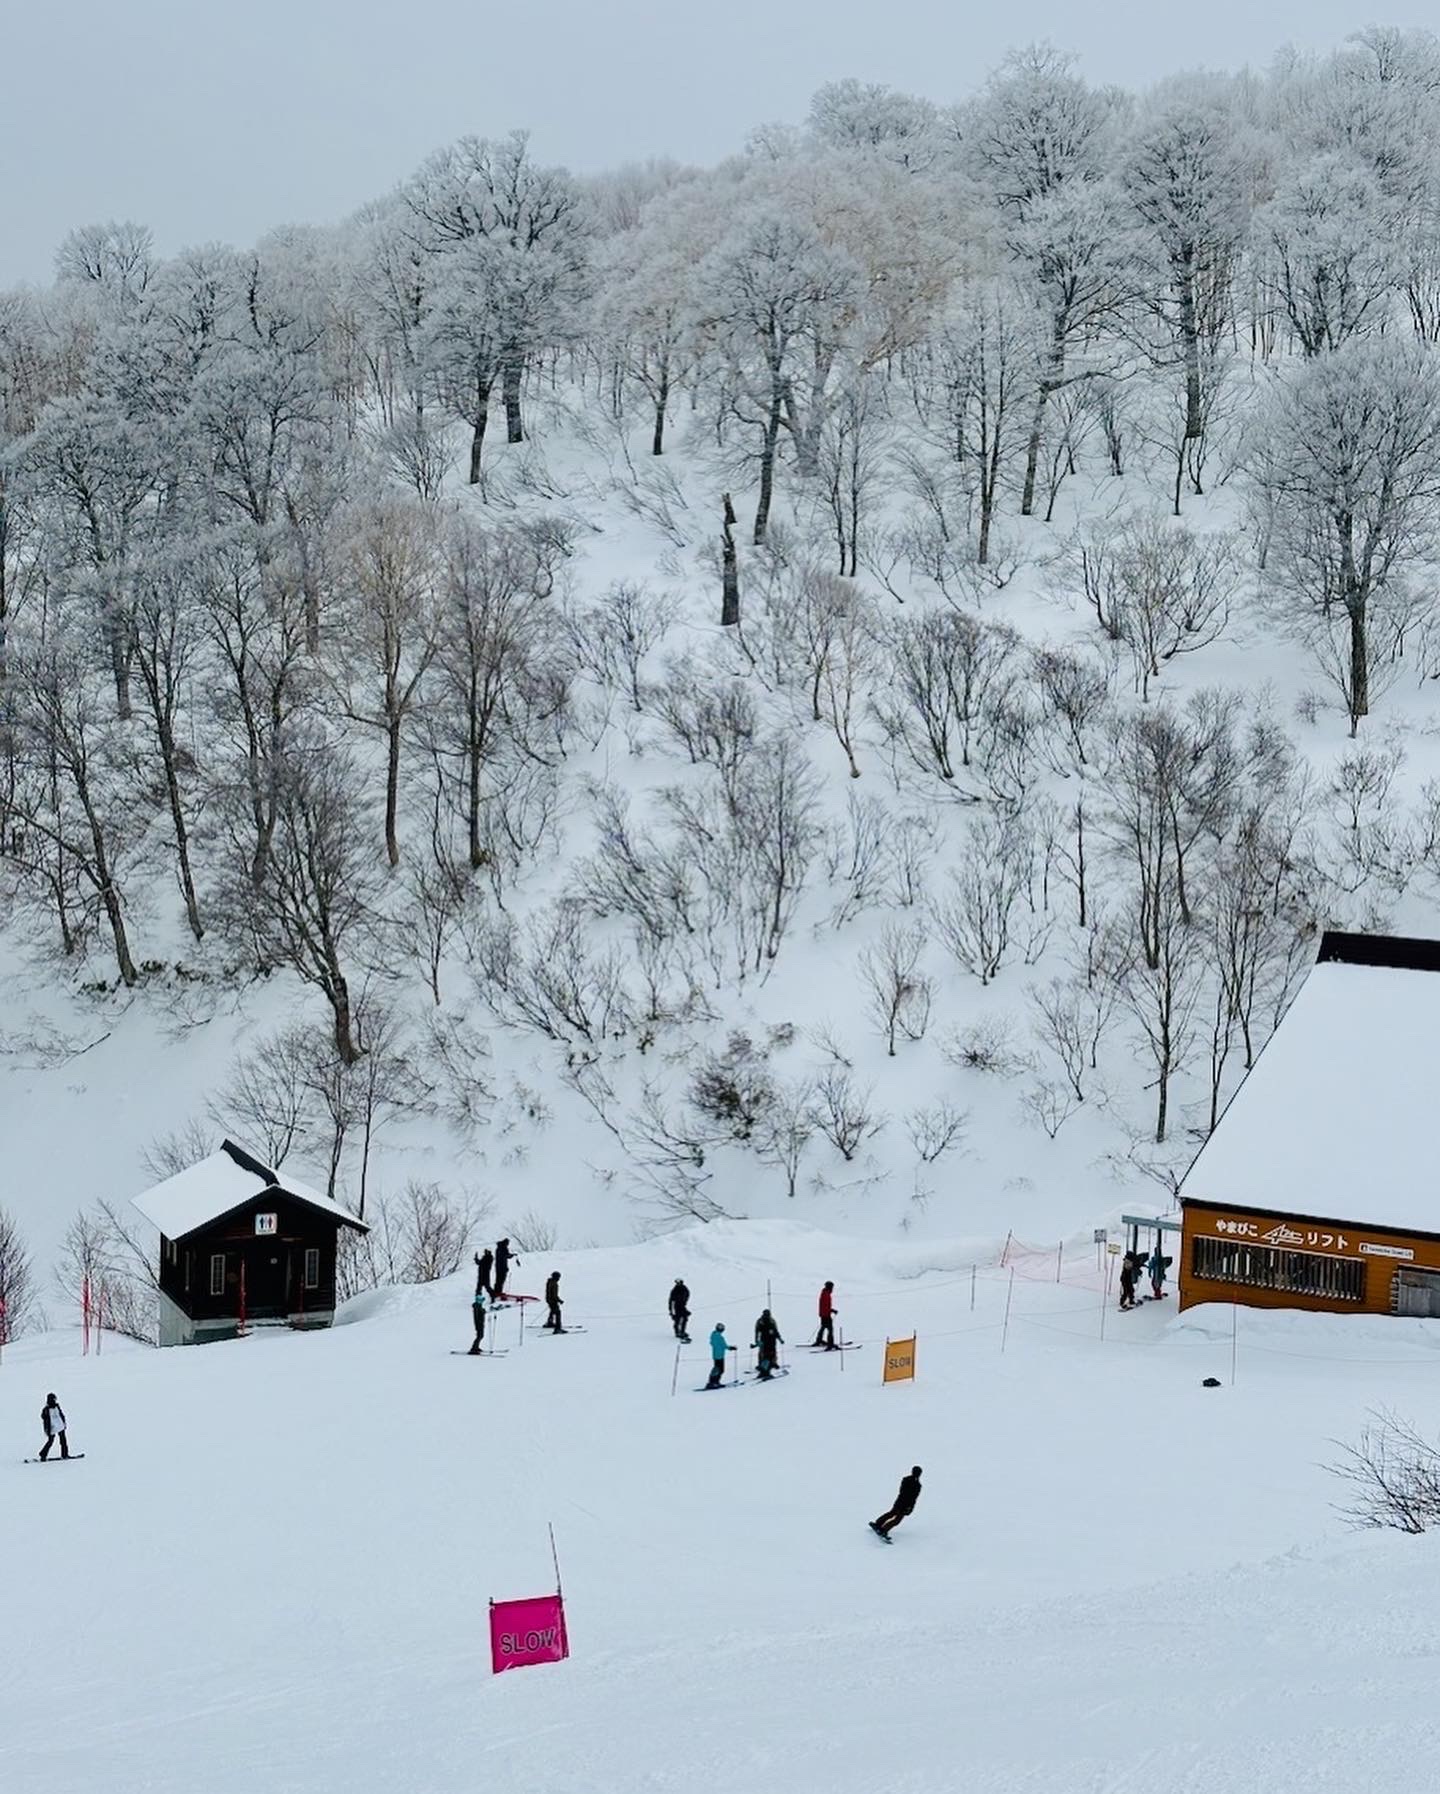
{"type": "Point", "coordinates": [719, 1346]}
{"type": "Point", "coordinates": [903, 1504]}
{"type": "Point", "coordinates": [52, 1418]}
{"type": "Point", "coordinates": [1157, 1268]}
{"type": "Point", "coordinates": [483, 1261]}
{"type": "Point", "coordinates": [680, 1311]}
{"type": "Point", "coordinates": [553, 1303]}
{"type": "Point", "coordinates": [767, 1338]}
{"type": "Point", "coordinates": [477, 1310]}
{"type": "Point", "coordinates": [1127, 1281]}
{"type": "Point", "coordinates": [826, 1334]}
{"type": "Point", "coordinates": [501, 1271]}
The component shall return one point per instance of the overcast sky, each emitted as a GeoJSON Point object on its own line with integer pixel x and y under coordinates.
{"type": "Point", "coordinates": [217, 119]}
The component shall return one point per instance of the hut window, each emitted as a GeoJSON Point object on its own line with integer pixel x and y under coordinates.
{"type": "Point", "coordinates": [1295, 1273]}
{"type": "Point", "coordinates": [217, 1273]}
{"type": "Point", "coordinates": [312, 1267]}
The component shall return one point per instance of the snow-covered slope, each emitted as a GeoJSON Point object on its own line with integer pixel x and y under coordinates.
{"type": "Point", "coordinates": [274, 1564]}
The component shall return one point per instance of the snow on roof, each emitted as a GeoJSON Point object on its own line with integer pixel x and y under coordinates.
{"type": "Point", "coordinates": [1338, 1117]}
{"type": "Point", "coordinates": [225, 1181]}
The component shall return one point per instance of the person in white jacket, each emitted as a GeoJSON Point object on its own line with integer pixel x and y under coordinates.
{"type": "Point", "coordinates": [52, 1418]}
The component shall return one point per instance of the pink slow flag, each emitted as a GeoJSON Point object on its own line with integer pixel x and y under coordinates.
{"type": "Point", "coordinates": [525, 1632]}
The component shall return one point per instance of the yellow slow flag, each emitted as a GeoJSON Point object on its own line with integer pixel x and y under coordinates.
{"type": "Point", "coordinates": [899, 1359]}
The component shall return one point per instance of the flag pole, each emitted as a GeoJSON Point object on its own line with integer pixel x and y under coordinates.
{"type": "Point", "coordinates": [555, 1558]}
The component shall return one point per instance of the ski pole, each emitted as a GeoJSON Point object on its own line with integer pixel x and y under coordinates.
{"type": "Point", "coordinates": [675, 1377]}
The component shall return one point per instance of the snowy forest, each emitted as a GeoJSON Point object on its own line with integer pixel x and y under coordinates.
{"type": "Point", "coordinates": [811, 684]}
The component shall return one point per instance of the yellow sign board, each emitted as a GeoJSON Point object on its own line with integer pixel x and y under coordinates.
{"type": "Point", "coordinates": [899, 1359]}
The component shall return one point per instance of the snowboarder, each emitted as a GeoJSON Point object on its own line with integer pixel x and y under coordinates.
{"type": "Point", "coordinates": [903, 1504]}
{"type": "Point", "coordinates": [767, 1338]}
{"type": "Point", "coordinates": [553, 1303]}
{"type": "Point", "coordinates": [1127, 1281]}
{"type": "Point", "coordinates": [477, 1310]}
{"type": "Point", "coordinates": [826, 1334]}
{"type": "Point", "coordinates": [719, 1346]}
{"type": "Point", "coordinates": [1157, 1268]}
{"type": "Point", "coordinates": [483, 1261]}
{"type": "Point", "coordinates": [501, 1271]}
{"type": "Point", "coordinates": [680, 1311]}
{"type": "Point", "coordinates": [52, 1418]}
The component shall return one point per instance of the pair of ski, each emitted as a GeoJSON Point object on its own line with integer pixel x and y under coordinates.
{"type": "Point", "coordinates": [850, 1345]}
{"type": "Point", "coordinates": [485, 1352]}
{"type": "Point", "coordinates": [750, 1376]}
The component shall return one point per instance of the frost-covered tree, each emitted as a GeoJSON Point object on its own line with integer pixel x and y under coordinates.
{"type": "Point", "coordinates": [1345, 457]}
{"type": "Point", "coordinates": [1330, 254]}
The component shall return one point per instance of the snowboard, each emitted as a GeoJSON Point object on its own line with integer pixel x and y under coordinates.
{"type": "Point", "coordinates": [486, 1353]}
{"type": "Point", "coordinates": [884, 1537]}
{"type": "Point", "coordinates": [74, 1458]}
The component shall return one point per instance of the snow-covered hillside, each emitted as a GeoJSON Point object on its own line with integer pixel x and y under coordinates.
{"type": "Point", "coordinates": [275, 1561]}
{"type": "Point", "coordinates": [947, 624]}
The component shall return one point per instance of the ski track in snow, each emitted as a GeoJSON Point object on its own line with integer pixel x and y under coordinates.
{"type": "Point", "coordinates": [273, 1567]}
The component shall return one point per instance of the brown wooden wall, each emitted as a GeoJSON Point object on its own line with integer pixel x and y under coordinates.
{"type": "Point", "coordinates": [185, 1272]}
{"type": "Point", "coordinates": [1380, 1251]}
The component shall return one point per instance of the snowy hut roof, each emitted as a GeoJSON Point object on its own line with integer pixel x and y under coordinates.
{"type": "Point", "coordinates": [219, 1185]}
{"type": "Point", "coordinates": [1338, 1117]}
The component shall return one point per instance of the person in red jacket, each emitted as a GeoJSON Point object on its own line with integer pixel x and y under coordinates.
{"type": "Point", "coordinates": [826, 1334]}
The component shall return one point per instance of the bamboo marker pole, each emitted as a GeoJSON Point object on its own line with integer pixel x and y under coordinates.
{"type": "Point", "coordinates": [1009, 1298]}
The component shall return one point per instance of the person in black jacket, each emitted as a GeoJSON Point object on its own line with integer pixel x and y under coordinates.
{"type": "Point", "coordinates": [767, 1342]}
{"type": "Point", "coordinates": [553, 1303]}
{"type": "Point", "coordinates": [501, 1271]}
{"type": "Point", "coordinates": [680, 1310]}
{"type": "Point", "coordinates": [52, 1418]}
{"type": "Point", "coordinates": [903, 1504]}
{"type": "Point", "coordinates": [483, 1261]}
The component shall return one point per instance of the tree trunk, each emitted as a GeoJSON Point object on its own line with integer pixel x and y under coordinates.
{"type": "Point", "coordinates": [1032, 451]}
{"type": "Point", "coordinates": [115, 637]}
{"type": "Point", "coordinates": [729, 571]}
{"type": "Point", "coordinates": [477, 430]}
{"type": "Point", "coordinates": [767, 463]}
{"type": "Point", "coordinates": [344, 1021]}
{"type": "Point", "coordinates": [662, 400]}
{"type": "Point", "coordinates": [392, 789]}
{"type": "Point", "coordinates": [511, 374]}
{"type": "Point", "coordinates": [1359, 663]}
{"type": "Point", "coordinates": [1190, 346]}
{"type": "Point", "coordinates": [182, 834]}
{"type": "Point", "coordinates": [472, 801]}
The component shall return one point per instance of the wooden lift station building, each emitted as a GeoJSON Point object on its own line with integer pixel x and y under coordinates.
{"type": "Point", "coordinates": [1319, 1188]}
{"type": "Point", "coordinates": [241, 1244]}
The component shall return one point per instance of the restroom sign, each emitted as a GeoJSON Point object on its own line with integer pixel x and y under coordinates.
{"type": "Point", "coordinates": [267, 1224]}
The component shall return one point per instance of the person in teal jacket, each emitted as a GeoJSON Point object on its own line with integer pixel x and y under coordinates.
{"type": "Point", "coordinates": [719, 1346]}
{"type": "Point", "coordinates": [477, 1312]}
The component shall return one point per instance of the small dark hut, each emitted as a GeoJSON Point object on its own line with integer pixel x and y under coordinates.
{"type": "Point", "coordinates": [242, 1245]}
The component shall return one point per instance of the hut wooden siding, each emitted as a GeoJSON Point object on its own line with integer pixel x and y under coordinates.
{"type": "Point", "coordinates": [1264, 1258]}
{"type": "Point", "coordinates": [236, 1241]}
{"type": "Point", "coordinates": [271, 1290]}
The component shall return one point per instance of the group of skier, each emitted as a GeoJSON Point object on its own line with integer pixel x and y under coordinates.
{"type": "Point", "coordinates": [1133, 1266]}
{"type": "Point", "coordinates": [767, 1336]}
{"type": "Point", "coordinates": [492, 1271]}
